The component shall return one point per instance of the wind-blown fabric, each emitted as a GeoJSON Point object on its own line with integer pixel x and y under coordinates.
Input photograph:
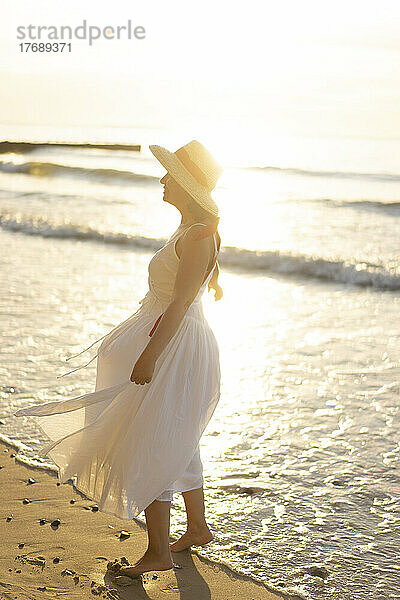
{"type": "Point", "coordinates": [125, 445]}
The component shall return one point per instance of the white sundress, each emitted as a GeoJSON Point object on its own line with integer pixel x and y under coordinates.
{"type": "Point", "coordinates": [125, 445]}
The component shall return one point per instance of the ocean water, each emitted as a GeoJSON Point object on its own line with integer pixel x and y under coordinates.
{"type": "Point", "coordinates": [301, 457]}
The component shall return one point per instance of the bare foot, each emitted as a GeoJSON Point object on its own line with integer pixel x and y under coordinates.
{"type": "Point", "coordinates": [200, 537]}
{"type": "Point", "coordinates": [148, 562]}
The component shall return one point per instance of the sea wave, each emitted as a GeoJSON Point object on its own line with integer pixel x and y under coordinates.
{"type": "Point", "coordinates": [359, 273]}
{"type": "Point", "coordinates": [49, 169]}
{"type": "Point", "coordinates": [25, 450]}
{"type": "Point", "coordinates": [388, 177]}
{"type": "Point", "coordinates": [390, 208]}
{"type": "Point", "coordinates": [41, 227]}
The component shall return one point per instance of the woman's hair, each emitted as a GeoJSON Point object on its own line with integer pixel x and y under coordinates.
{"type": "Point", "coordinates": [203, 216]}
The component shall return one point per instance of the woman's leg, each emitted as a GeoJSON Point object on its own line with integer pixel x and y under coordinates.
{"type": "Point", "coordinates": [158, 521]}
{"type": "Point", "coordinates": [197, 530]}
{"type": "Point", "coordinates": [157, 556]}
{"type": "Point", "coordinates": [195, 509]}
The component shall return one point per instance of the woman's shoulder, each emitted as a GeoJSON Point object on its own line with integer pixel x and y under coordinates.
{"type": "Point", "coordinates": [194, 233]}
{"type": "Point", "coordinates": [198, 231]}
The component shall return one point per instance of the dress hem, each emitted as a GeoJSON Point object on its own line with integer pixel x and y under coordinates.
{"type": "Point", "coordinates": [109, 512]}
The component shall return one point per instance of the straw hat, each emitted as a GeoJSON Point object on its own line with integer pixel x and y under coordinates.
{"type": "Point", "coordinates": [195, 169]}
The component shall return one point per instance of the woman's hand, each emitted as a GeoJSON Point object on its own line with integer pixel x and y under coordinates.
{"type": "Point", "coordinates": [143, 370]}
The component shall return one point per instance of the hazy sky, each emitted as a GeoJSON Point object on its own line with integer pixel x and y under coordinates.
{"type": "Point", "coordinates": [290, 67]}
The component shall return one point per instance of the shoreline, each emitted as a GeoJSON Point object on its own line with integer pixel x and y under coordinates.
{"type": "Point", "coordinates": [85, 541]}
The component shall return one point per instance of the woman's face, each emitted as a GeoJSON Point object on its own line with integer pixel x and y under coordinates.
{"type": "Point", "coordinates": [173, 192]}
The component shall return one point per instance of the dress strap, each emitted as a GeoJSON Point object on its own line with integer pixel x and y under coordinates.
{"type": "Point", "coordinates": [208, 229]}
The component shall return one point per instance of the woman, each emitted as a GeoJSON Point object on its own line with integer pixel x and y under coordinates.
{"type": "Point", "coordinates": [134, 441]}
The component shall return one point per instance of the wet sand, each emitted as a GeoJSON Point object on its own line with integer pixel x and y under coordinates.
{"type": "Point", "coordinates": [44, 559]}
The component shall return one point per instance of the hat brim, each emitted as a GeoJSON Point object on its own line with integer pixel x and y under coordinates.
{"type": "Point", "coordinates": [184, 178]}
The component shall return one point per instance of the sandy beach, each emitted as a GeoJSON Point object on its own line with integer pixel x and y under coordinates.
{"type": "Point", "coordinates": [41, 558]}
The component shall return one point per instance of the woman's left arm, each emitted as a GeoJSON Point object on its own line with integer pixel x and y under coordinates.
{"type": "Point", "coordinates": [193, 263]}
